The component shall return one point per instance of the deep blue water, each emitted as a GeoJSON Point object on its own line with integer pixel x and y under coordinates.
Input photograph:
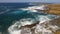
{"type": "Point", "coordinates": [7, 17]}
{"type": "Point", "coordinates": [15, 5]}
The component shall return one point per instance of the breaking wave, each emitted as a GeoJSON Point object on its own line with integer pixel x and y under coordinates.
{"type": "Point", "coordinates": [35, 8]}
{"type": "Point", "coordinates": [43, 27]}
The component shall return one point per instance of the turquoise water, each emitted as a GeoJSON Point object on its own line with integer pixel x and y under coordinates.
{"type": "Point", "coordinates": [7, 19]}
{"type": "Point", "coordinates": [19, 14]}
{"type": "Point", "coordinates": [16, 15]}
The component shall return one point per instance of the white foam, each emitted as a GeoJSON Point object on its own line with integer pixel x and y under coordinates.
{"type": "Point", "coordinates": [21, 22]}
{"type": "Point", "coordinates": [14, 29]}
{"type": "Point", "coordinates": [43, 19]}
{"type": "Point", "coordinates": [33, 8]}
{"type": "Point", "coordinates": [16, 32]}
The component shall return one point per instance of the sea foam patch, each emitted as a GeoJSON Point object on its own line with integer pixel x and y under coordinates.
{"type": "Point", "coordinates": [34, 8]}
{"type": "Point", "coordinates": [44, 25]}
{"type": "Point", "coordinates": [39, 28]}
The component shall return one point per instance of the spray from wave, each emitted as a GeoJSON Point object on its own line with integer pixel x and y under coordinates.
{"type": "Point", "coordinates": [40, 25]}
{"type": "Point", "coordinates": [35, 8]}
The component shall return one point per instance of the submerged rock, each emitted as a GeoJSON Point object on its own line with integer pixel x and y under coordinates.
{"type": "Point", "coordinates": [34, 28]}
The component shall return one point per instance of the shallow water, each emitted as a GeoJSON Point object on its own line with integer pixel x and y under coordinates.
{"type": "Point", "coordinates": [31, 18]}
{"type": "Point", "coordinates": [22, 21]}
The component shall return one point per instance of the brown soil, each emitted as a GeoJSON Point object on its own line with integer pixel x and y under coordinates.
{"type": "Point", "coordinates": [53, 9]}
{"type": "Point", "coordinates": [57, 32]}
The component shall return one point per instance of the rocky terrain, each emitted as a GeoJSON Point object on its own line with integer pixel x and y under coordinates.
{"type": "Point", "coordinates": [55, 9]}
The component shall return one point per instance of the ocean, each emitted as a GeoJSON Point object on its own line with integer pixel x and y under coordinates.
{"type": "Point", "coordinates": [10, 13]}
